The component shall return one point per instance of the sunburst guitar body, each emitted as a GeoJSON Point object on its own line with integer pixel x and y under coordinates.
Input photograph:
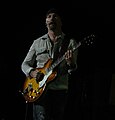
{"type": "Point", "coordinates": [33, 88]}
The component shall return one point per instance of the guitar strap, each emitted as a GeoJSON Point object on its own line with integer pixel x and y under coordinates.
{"type": "Point", "coordinates": [64, 45]}
{"type": "Point", "coordinates": [61, 49]}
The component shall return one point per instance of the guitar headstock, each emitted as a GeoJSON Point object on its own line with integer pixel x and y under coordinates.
{"type": "Point", "coordinates": [89, 40]}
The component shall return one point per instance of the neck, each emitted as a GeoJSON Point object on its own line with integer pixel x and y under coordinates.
{"type": "Point", "coordinates": [54, 35]}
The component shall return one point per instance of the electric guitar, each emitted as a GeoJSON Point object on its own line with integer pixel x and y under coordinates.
{"type": "Point", "coordinates": [33, 88]}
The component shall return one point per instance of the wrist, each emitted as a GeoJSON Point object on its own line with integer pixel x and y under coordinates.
{"type": "Point", "coordinates": [71, 65]}
{"type": "Point", "coordinates": [30, 73]}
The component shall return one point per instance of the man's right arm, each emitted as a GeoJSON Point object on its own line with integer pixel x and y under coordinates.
{"type": "Point", "coordinates": [27, 64]}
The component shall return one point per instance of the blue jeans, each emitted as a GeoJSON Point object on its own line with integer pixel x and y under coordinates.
{"type": "Point", "coordinates": [38, 112]}
{"type": "Point", "coordinates": [51, 107]}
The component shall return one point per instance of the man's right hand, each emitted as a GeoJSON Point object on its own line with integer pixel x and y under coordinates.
{"type": "Point", "coordinates": [33, 73]}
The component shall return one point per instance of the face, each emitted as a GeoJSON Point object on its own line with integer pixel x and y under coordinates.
{"type": "Point", "coordinates": [53, 21]}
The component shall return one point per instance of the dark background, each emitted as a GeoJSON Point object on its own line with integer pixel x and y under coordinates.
{"type": "Point", "coordinates": [90, 86]}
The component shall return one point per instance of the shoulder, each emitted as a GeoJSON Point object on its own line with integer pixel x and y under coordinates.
{"type": "Point", "coordinates": [70, 39]}
{"type": "Point", "coordinates": [41, 38]}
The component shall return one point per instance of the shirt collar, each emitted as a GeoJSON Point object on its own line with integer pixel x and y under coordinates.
{"type": "Point", "coordinates": [59, 37]}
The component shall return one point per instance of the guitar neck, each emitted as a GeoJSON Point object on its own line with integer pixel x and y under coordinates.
{"type": "Point", "coordinates": [59, 60]}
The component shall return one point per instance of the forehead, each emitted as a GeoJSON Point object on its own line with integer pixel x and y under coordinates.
{"type": "Point", "coordinates": [52, 14]}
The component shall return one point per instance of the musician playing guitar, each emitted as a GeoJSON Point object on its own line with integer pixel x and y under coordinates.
{"type": "Point", "coordinates": [49, 74]}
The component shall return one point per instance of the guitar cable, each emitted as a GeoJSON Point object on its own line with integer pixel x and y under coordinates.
{"type": "Point", "coordinates": [26, 108]}
{"type": "Point", "coordinates": [26, 111]}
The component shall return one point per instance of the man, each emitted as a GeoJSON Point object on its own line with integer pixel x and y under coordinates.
{"type": "Point", "coordinates": [52, 45]}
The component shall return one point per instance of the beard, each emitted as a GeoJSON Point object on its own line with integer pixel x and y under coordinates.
{"type": "Point", "coordinates": [52, 26]}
